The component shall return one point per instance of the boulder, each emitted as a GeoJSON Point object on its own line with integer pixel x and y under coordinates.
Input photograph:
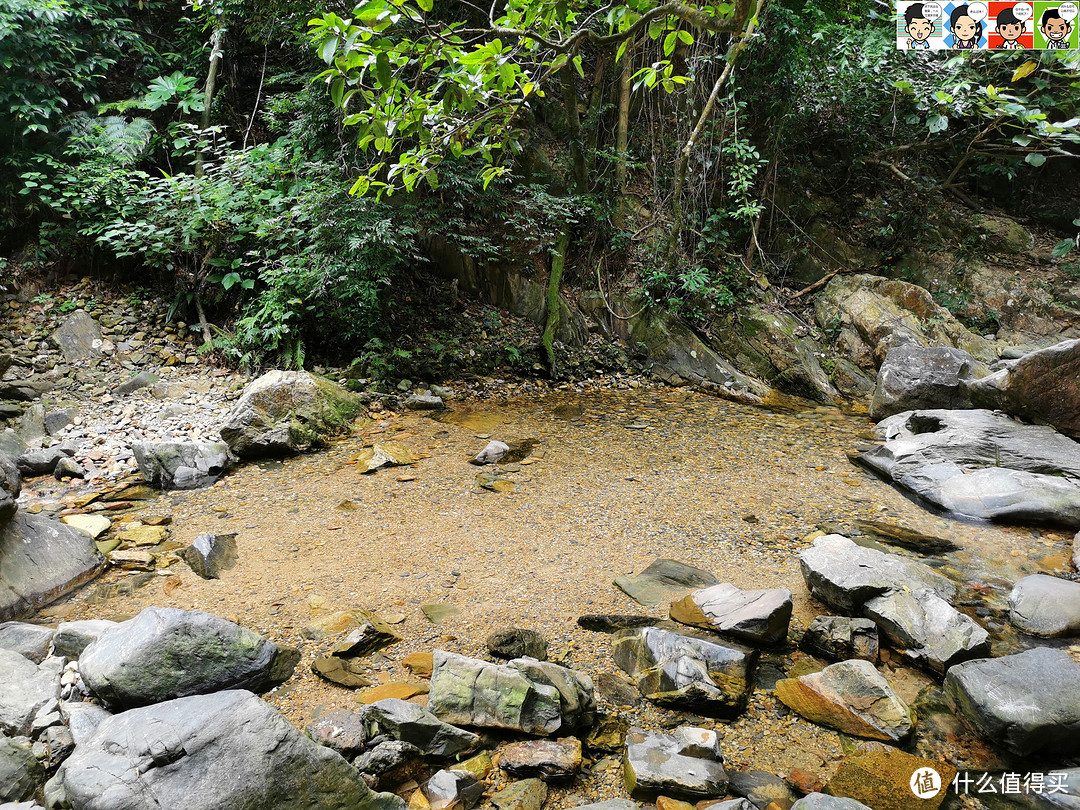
{"type": "Point", "coordinates": [492, 453]}
{"type": "Point", "coordinates": [343, 731]}
{"type": "Point", "coordinates": [424, 402]}
{"type": "Point", "coordinates": [823, 801]}
{"type": "Point", "coordinates": [528, 794]}
{"type": "Point", "coordinates": [517, 642]}
{"type": "Point", "coordinates": [41, 461]}
{"type": "Point", "coordinates": [882, 313]}
{"type": "Point", "coordinates": [453, 790]}
{"type": "Point", "coordinates": [1043, 387]}
{"type": "Point", "coordinates": [1045, 606]}
{"type": "Point", "coordinates": [845, 575]}
{"type": "Point", "coordinates": [41, 559]}
{"type": "Point", "coordinates": [885, 779]}
{"type": "Point", "coordinates": [58, 419]}
{"type": "Point", "coordinates": [78, 337]}
{"type": "Point", "coordinates": [761, 617]}
{"type": "Point", "coordinates": [414, 724]}
{"type": "Point", "coordinates": [181, 464]}
{"type": "Point", "coordinates": [27, 687]}
{"type": "Point", "coordinates": [928, 629]}
{"type": "Point", "coordinates": [761, 788]}
{"type": "Point", "coordinates": [20, 772]}
{"type": "Point", "coordinates": [524, 695]}
{"type": "Point", "coordinates": [82, 718]}
{"type": "Point", "coordinates": [140, 380]}
{"type": "Point", "coordinates": [10, 487]}
{"type": "Point", "coordinates": [915, 376]}
{"type": "Point", "coordinates": [210, 554]}
{"type": "Point", "coordinates": [31, 425]}
{"type": "Point", "coordinates": [208, 752]}
{"type": "Point", "coordinates": [686, 672]}
{"type": "Point", "coordinates": [165, 653]}
{"type": "Point", "coordinates": [28, 640]}
{"type": "Point", "coordinates": [840, 638]}
{"type": "Point", "coordinates": [551, 760]}
{"type": "Point", "coordinates": [67, 467]}
{"type": "Point", "coordinates": [387, 756]}
{"type": "Point", "coordinates": [27, 389]}
{"type": "Point", "coordinates": [71, 638]}
{"type": "Point", "coordinates": [286, 412]}
{"type": "Point", "coordinates": [661, 579]}
{"type": "Point", "coordinates": [1025, 703]}
{"type": "Point", "coordinates": [852, 697]}
{"type": "Point", "coordinates": [686, 764]}
{"type": "Point", "coordinates": [980, 464]}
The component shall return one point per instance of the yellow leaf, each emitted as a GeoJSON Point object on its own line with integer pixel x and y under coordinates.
{"type": "Point", "coordinates": [1023, 70]}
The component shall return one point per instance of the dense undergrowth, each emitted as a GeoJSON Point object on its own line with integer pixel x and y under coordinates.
{"type": "Point", "coordinates": [191, 150]}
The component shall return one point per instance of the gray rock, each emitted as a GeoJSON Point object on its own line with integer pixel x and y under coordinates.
{"type": "Point", "coordinates": [613, 623]}
{"type": "Point", "coordinates": [414, 724]}
{"type": "Point", "coordinates": [181, 465]}
{"type": "Point", "coordinates": [555, 761]}
{"type": "Point", "coordinates": [840, 638]}
{"type": "Point", "coordinates": [20, 772]}
{"type": "Point", "coordinates": [517, 643]}
{"type": "Point", "coordinates": [343, 731]}
{"type": "Point", "coordinates": [761, 617]}
{"type": "Point", "coordinates": [209, 752]}
{"type": "Point", "coordinates": [928, 629]}
{"type": "Point", "coordinates": [685, 671]}
{"type": "Point", "coordinates": [424, 402]}
{"type": "Point", "coordinates": [28, 640]}
{"type": "Point", "coordinates": [387, 756]}
{"type": "Point", "coordinates": [11, 444]}
{"type": "Point", "coordinates": [27, 688]}
{"type": "Point", "coordinates": [1076, 551]}
{"type": "Point", "coordinates": [82, 718]}
{"type": "Point", "coordinates": [31, 805]}
{"type": "Point", "coordinates": [823, 801]}
{"type": "Point", "coordinates": [686, 764]}
{"type": "Point", "coordinates": [610, 804]}
{"type": "Point", "coordinates": [1046, 606]}
{"type": "Point", "coordinates": [31, 424]}
{"type": "Point", "coordinates": [914, 376]}
{"type": "Point", "coordinates": [731, 804]}
{"type": "Point", "coordinates": [210, 554]}
{"type": "Point", "coordinates": [761, 788]}
{"type": "Point", "coordinates": [286, 412]}
{"type": "Point", "coordinates": [662, 578]}
{"type": "Point", "coordinates": [523, 695]}
{"type": "Point", "coordinates": [71, 638]}
{"type": "Point", "coordinates": [68, 468]}
{"type": "Point", "coordinates": [78, 337]}
{"type": "Point", "coordinates": [165, 653]}
{"type": "Point", "coordinates": [140, 380]}
{"type": "Point", "coordinates": [981, 464]}
{"type": "Point", "coordinates": [27, 389]}
{"type": "Point", "coordinates": [845, 575]}
{"type": "Point", "coordinates": [42, 559]}
{"type": "Point", "coordinates": [10, 487]}
{"type": "Point", "coordinates": [492, 453]}
{"type": "Point", "coordinates": [41, 462]}
{"type": "Point", "coordinates": [528, 794]}
{"type": "Point", "coordinates": [852, 697]}
{"type": "Point", "coordinates": [58, 419]}
{"type": "Point", "coordinates": [453, 790]}
{"type": "Point", "coordinates": [59, 742]}
{"type": "Point", "coordinates": [1066, 791]}
{"type": "Point", "coordinates": [1025, 703]}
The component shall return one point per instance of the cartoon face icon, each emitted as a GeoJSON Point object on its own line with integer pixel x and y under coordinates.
{"type": "Point", "coordinates": [1055, 28]}
{"type": "Point", "coordinates": [920, 28]}
{"type": "Point", "coordinates": [964, 28]}
{"type": "Point", "coordinates": [1011, 32]}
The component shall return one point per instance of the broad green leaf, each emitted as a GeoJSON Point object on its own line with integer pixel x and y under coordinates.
{"type": "Point", "coordinates": [1035, 159]}
{"type": "Point", "coordinates": [1063, 247]}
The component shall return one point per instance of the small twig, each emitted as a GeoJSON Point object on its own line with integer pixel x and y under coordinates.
{"type": "Point", "coordinates": [603, 297]}
{"type": "Point", "coordinates": [258, 95]}
{"type": "Point", "coordinates": [821, 282]}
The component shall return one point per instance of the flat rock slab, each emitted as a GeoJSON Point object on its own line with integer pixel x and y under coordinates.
{"type": "Point", "coordinates": [929, 630]}
{"type": "Point", "coordinates": [207, 752]}
{"type": "Point", "coordinates": [28, 640]}
{"type": "Point", "coordinates": [528, 794]}
{"type": "Point", "coordinates": [614, 622]}
{"type": "Point", "coordinates": [852, 697]}
{"type": "Point", "coordinates": [556, 761]}
{"type": "Point", "coordinates": [524, 695]}
{"type": "Point", "coordinates": [823, 801]}
{"type": "Point", "coordinates": [1025, 703]}
{"type": "Point", "coordinates": [344, 621]}
{"type": "Point", "coordinates": [685, 671]}
{"type": "Point", "coordinates": [981, 464]}
{"type": "Point", "coordinates": [883, 780]}
{"type": "Point", "coordinates": [840, 638]}
{"type": "Point", "coordinates": [416, 725]}
{"type": "Point", "coordinates": [78, 337]}
{"type": "Point", "coordinates": [687, 764]}
{"type": "Point", "coordinates": [42, 559]}
{"type": "Point", "coordinates": [93, 525]}
{"type": "Point", "coordinates": [342, 671]}
{"type": "Point", "coordinates": [1045, 606]}
{"type": "Point", "coordinates": [27, 687]}
{"type": "Point", "coordinates": [844, 575]}
{"type": "Point", "coordinates": [165, 653]}
{"type": "Point", "coordinates": [761, 617]}
{"type": "Point", "coordinates": [655, 584]}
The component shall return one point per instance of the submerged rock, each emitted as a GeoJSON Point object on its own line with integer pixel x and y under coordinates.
{"type": "Point", "coordinates": [852, 697]}
{"type": "Point", "coordinates": [286, 412]}
{"type": "Point", "coordinates": [210, 554]}
{"type": "Point", "coordinates": [686, 764]}
{"type": "Point", "coordinates": [840, 638]}
{"type": "Point", "coordinates": [1046, 606]}
{"type": "Point", "coordinates": [663, 577]}
{"type": "Point", "coordinates": [885, 779]}
{"type": "Point", "coordinates": [165, 653]}
{"type": "Point", "coordinates": [492, 453]}
{"type": "Point", "coordinates": [1025, 703]}
{"type": "Point", "coordinates": [756, 616]}
{"type": "Point", "coordinates": [208, 752]}
{"type": "Point", "coordinates": [686, 672]}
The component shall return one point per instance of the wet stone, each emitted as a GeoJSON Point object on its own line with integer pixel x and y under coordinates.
{"type": "Point", "coordinates": [551, 760]}
{"type": "Point", "coordinates": [517, 643]}
{"type": "Point", "coordinates": [341, 671]}
{"type": "Point", "coordinates": [882, 779]}
{"type": "Point", "coordinates": [663, 577]}
{"type": "Point", "coordinates": [528, 794]}
{"type": "Point", "coordinates": [613, 623]}
{"type": "Point", "coordinates": [210, 554]}
{"type": "Point", "coordinates": [453, 790]}
{"type": "Point", "coordinates": [758, 616]}
{"type": "Point", "coordinates": [686, 764]}
{"type": "Point", "coordinates": [341, 731]}
{"type": "Point", "coordinates": [839, 638]}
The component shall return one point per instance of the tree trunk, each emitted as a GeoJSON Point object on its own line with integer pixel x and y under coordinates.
{"type": "Point", "coordinates": [624, 119]}
{"type": "Point", "coordinates": [551, 322]}
{"type": "Point", "coordinates": [211, 83]}
{"type": "Point", "coordinates": [573, 121]}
